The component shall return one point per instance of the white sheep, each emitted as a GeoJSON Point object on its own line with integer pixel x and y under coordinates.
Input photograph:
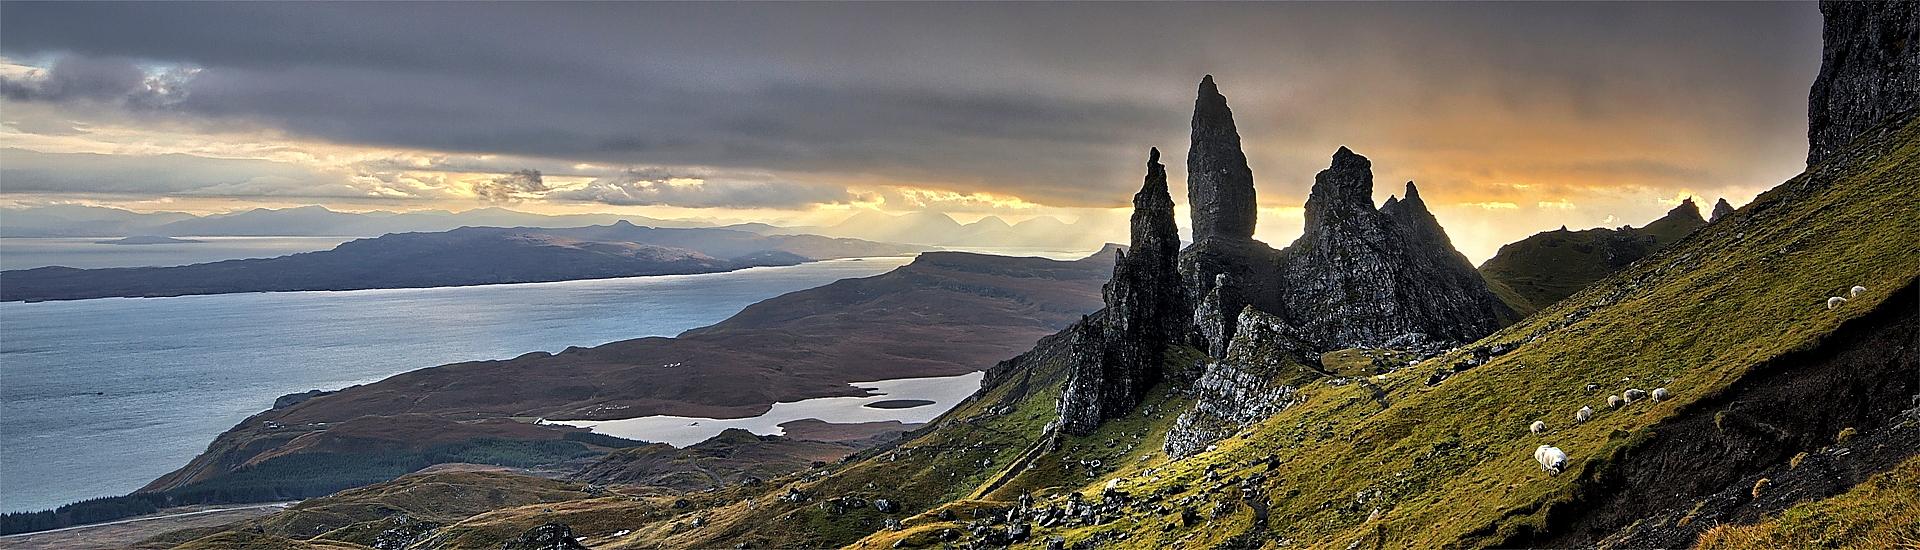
{"type": "Point", "coordinates": [1855, 292]}
{"type": "Point", "coordinates": [1538, 427]}
{"type": "Point", "coordinates": [1835, 302]}
{"type": "Point", "coordinates": [1585, 414]}
{"type": "Point", "coordinates": [1633, 395]}
{"type": "Point", "coordinates": [1659, 394]}
{"type": "Point", "coordinates": [1551, 458]}
{"type": "Point", "coordinates": [1614, 401]}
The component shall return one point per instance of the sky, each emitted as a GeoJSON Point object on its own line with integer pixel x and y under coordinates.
{"type": "Point", "coordinates": [1513, 118]}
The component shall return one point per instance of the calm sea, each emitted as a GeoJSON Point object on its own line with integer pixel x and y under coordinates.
{"type": "Point", "coordinates": [86, 253]}
{"type": "Point", "coordinates": [98, 397]}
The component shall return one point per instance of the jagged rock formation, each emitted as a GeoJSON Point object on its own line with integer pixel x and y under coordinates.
{"type": "Point", "coordinates": [1869, 71]}
{"type": "Point", "coordinates": [1264, 365]}
{"type": "Point", "coordinates": [1118, 350]}
{"type": "Point", "coordinates": [1720, 209]}
{"type": "Point", "coordinates": [1361, 277]}
{"type": "Point", "coordinates": [1219, 184]}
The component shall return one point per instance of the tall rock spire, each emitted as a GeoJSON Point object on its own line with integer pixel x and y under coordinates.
{"type": "Point", "coordinates": [1118, 352]}
{"type": "Point", "coordinates": [1219, 184]}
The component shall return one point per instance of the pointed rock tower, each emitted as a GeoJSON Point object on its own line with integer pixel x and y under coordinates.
{"type": "Point", "coordinates": [1118, 352]}
{"type": "Point", "coordinates": [1225, 268]}
{"type": "Point", "coordinates": [1219, 184]}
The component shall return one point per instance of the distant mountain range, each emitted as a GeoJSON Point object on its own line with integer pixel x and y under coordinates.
{"type": "Point", "coordinates": [464, 256]}
{"type": "Point", "coordinates": [939, 229]}
{"type": "Point", "coordinates": [924, 228]}
{"type": "Point", "coordinates": [96, 221]}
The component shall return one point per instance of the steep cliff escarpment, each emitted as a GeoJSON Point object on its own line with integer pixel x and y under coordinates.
{"type": "Point", "coordinates": [1869, 71]}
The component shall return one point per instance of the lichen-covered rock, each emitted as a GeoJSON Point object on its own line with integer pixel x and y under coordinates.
{"type": "Point", "coordinates": [1219, 184]}
{"type": "Point", "coordinates": [1264, 365]}
{"type": "Point", "coordinates": [1869, 71]}
{"type": "Point", "coordinates": [1116, 352]}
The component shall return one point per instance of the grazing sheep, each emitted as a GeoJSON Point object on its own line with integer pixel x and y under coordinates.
{"type": "Point", "coordinates": [1585, 414]}
{"type": "Point", "coordinates": [1835, 302]}
{"type": "Point", "coordinates": [1659, 394]}
{"type": "Point", "coordinates": [1551, 458]}
{"type": "Point", "coordinates": [1538, 427]}
{"type": "Point", "coordinates": [1614, 401]}
{"type": "Point", "coordinates": [1633, 395]}
{"type": "Point", "coordinates": [1855, 292]}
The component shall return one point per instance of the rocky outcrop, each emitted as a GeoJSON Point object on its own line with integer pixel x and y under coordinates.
{"type": "Point", "coordinates": [1360, 276]}
{"type": "Point", "coordinates": [1869, 72]}
{"type": "Point", "coordinates": [1264, 366]}
{"type": "Point", "coordinates": [1720, 209]}
{"type": "Point", "coordinates": [1118, 351]}
{"type": "Point", "coordinates": [552, 536]}
{"type": "Point", "coordinates": [1219, 184]}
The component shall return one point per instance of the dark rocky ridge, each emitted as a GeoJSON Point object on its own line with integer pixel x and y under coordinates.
{"type": "Point", "coordinates": [1389, 277]}
{"type": "Point", "coordinates": [1118, 349]}
{"type": "Point", "coordinates": [1869, 72]}
{"type": "Point", "coordinates": [1532, 273]}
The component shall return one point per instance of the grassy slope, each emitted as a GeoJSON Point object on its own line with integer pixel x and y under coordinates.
{"type": "Point", "coordinates": [357, 516]}
{"type": "Point", "coordinates": [959, 452]}
{"type": "Point", "coordinates": [1883, 512]}
{"type": "Point", "coordinates": [1451, 465]}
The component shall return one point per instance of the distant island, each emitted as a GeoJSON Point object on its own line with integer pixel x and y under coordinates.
{"type": "Point", "coordinates": [898, 404]}
{"type": "Point", "coordinates": [462, 257]}
{"type": "Point", "coordinates": [148, 239]}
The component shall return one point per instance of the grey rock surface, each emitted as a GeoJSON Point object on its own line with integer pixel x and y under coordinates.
{"type": "Point", "coordinates": [1869, 71]}
{"type": "Point", "coordinates": [1219, 184]}
{"type": "Point", "coordinates": [1263, 368]}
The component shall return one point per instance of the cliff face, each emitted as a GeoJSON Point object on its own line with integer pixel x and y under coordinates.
{"type": "Point", "coordinates": [1869, 71]}
{"type": "Point", "coordinates": [1117, 351]}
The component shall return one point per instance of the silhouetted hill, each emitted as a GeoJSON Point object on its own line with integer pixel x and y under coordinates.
{"type": "Point", "coordinates": [1537, 271]}
{"type": "Point", "coordinates": [461, 257]}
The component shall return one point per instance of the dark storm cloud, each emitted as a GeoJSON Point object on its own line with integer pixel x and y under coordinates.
{"type": "Point", "coordinates": [1047, 102]}
{"type": "Point", "coordinates": [507, 188]}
